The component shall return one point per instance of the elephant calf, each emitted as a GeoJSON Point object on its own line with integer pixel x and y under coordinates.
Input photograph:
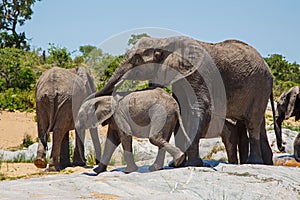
{"type": "Point", "coordinates": [149, 114]}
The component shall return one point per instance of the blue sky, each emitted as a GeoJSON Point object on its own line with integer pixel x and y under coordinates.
{"type": "Point", "coordinates": [271, 26]}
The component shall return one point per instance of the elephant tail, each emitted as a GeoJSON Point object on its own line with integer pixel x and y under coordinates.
{"type": "Point", "coordinates": [54, 109]}
{"type": "Point", "coordinates": [276, 127]}
{"type": "Point", "coordinates": [182, 126]}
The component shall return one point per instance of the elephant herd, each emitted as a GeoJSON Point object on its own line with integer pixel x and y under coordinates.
{"type": "Point", "coordinates": [219, 89]}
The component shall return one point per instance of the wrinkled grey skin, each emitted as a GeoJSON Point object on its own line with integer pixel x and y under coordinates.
{"type": "Point", "coordinates": [59, 94]}
{"type": "Point", "coordinates": [297, 148]}
{"type": "Point", "coordinates": [151, 113]}
{"type": "Point", "coordinates": [288, 105]}
{"type": "Point", "coordinates": [235, 135]}
{"type": "Point", "coordinates": [244, 72]}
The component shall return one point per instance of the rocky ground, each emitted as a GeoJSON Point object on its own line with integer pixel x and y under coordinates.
{"type": "Point", "coordinates": [218, 181]}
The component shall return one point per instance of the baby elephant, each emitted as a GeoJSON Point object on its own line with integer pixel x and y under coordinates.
{"type": "Point", "coordinates": [151, 113]}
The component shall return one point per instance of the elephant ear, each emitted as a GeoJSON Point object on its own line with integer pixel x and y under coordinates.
{"type": "Point", "coordinates": [105, 108]}
{"type": "Point", "coordinates": [293, 94]}
{"type": "Point", "coordinates": [184, 57]}
{"type": "Point", "coordinates": [88, 80]}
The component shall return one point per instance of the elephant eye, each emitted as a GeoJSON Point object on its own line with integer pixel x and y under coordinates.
{"type": "Point", "coordinates": [137, 60]}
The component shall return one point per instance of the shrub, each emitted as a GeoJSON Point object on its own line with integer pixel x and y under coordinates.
{"type": "Point", "coordinates": [16, 99]}
{"type": "Point", "coordinates": [27, 141]}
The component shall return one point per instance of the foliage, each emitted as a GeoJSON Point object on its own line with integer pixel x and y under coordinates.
{"type": "Point", "coordinates": [16, 69]}
{"type": "Point", "coordinates": [91, 158]}
{"type": "Point", "coordinates": [90, 52]}
{"type": "Point", "coordinates": [134, 38]}
{"type": "Point", "coordinates": [93, 58]}
{"type": "Point", "coordinates": [91, 55]}
{"type": "Point", "coordinates": [71, 150]}
{"type": "Point", "coordinates": [27, 141]}
{"type": "Point", "coordinates": [286, 75]}
{"type": "Point", "coordinates": [16, 99]}
{"type": "Point", "coordinates": [59, 56]}
{"type": "Point", "coordinates": [12, 14]}
{"type": "Point", "coordinates": [107, 67]}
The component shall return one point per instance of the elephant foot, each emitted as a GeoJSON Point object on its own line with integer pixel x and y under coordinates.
{"type": "Point", "coordinates": [65, 165]}
{"type": "Point", "coordinates": [52, 168]}
{"type": "Point", "coordinates": [131, 169]}
{"type": "Point", "coordinates": [101, 168]}
{"type": "Point", "coordinates": [252, 160]}
{"type": "Point", "coordinates": [196, 162]}
{"type": "Point", "coordinates": [40, 163]}
{"type": "Point", "coordinates": [179, 160]}
{"type": "Point", "coordinates": [155, 167]}
{"type": "Point", "coordinates": [172, 164]}
{"type": "Point", "coordinates": [78, 163]}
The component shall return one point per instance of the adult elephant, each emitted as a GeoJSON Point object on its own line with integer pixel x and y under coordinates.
{"type": "Point", "coordinates": [297, 148]}
{"type": "Point", "coordinates": [211, 82]}
{"type": "Point", "coordinates": [59, 93]}
{"type": "Point", "coordinates": [288, 105]}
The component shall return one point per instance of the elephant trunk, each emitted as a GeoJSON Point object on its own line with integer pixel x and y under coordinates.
{"type": "Point", "coordinates": [297, 148]}
{"type": "Point", "coordinates": [278, 133]}
{"type": "Point", "coordinates": [114, 79]}
{"type": "Point", "coordinates": [80, 137]}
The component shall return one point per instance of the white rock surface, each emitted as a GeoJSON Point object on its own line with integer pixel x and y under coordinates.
{"type": "Point", "coordinates": [228, 182]}
{"type": "Point", "coordinates": [222, 181]}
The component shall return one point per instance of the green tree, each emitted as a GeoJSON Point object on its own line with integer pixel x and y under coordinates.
{"type": "Point", "coordinates": [16, 68]}
{"type": "Point", "coordinates": [109, 63]}
{"type": "Point", "coordinates": [12, 14]}
{"type": "Point", "coordinates": [134, 38]}
{"type": "Point", "coordinates": [107, 67]}
{"type": "Point", "coordinates": [91, 55]}
{"type": "Point", "coordinates": [286, 75]}
{"type": "Point", "coordinates": [59, 56]}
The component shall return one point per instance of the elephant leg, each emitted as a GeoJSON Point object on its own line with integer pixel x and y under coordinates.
{"type": "Point", "coordinates": [163, 144]}
{"type": "Point", "coordinates": [54, 163]}
{"type": "Point", "coordinates": [42, 124]}
{"type": "Point", "coordinates": [193, 120]}
{"type": "Point", "coordinates": [266, 150]}
{"type": "Point", "coordinates": [229, 138]}
{"type": "Point", "coordinates": [64, 158]}
{"type": "Point", "coordinates": [40, 161]}
{"type": "Point", "coordinates": [96, 143]}
{"type": "Point", "coordinates": [79, 159]}
{"type": "Point", "coordinates": [193, 151]}
{"type": "Point", "coordinates": [159, 161]}
{"type": "Point", "coordinates": [126, 141]}
{"type": "Point", "coordinates": [243, 142]}
{"type": "Point", "coordinates": [255, 156]}
{"type": "Point", "coordinates": [111, 143]}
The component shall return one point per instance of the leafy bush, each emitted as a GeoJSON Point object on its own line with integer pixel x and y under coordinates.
{"type": "Point", "coordinates": [286, 75]}
{"type": "Point", "coordinates": [16, 69]}
{"type": "Point", "coordinates": [60, 57]}
{"type": "Point", "coordinates": [27, 141]}
{"type": "Point", "coordinates": [16, 99]}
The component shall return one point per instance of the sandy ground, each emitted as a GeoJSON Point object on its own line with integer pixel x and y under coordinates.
{"type": "Point", "coordinates": [14, 126]}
